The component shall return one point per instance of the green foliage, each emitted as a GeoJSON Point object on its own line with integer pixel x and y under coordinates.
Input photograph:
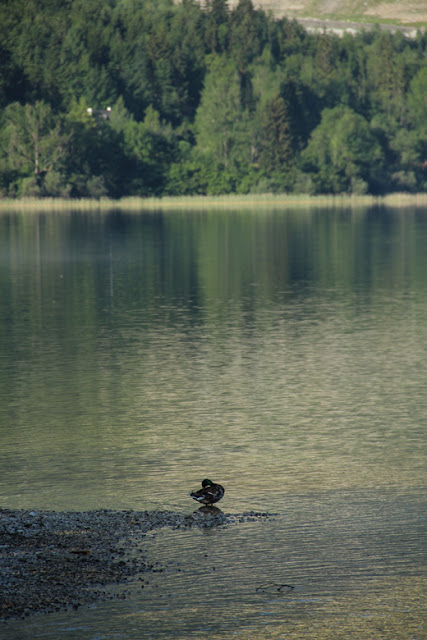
{"type": "Point", "coordinates": [247, 33]}
{"type": "Point", "coordinates": [276, 143]}
{"type": "Point", "coordinates": [219, 116]}
{"type": "Point", "coordinates": [204, 98]}
{"type": "Point", "coordinates": [343, 154]}
{"type": "Point", "coordinates": [217, 26]}
{"type": "Point", "coordinates": [417, 101]}
{"type": "Point", "coordinates": [93, 152]}
{"type": "Point", "coordinates": [147, 148]}
{"type": "Point", "coordinates": [35, 146]}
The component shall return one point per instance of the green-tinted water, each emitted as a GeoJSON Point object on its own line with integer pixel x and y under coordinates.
{"type": "Point", "coordinates": [283, 354]}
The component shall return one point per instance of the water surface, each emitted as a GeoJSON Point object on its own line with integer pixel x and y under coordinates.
{"type": "Point", "coordinates": [280, 353]}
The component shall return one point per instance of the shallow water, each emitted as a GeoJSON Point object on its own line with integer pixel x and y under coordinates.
{"type": "Point", "coordinates": [318, 560]}
{"type": "Point", "coordinates": [283, 354]}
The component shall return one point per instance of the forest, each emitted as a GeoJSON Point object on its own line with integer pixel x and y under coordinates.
{"type": "Point", "coordinates": [142, 97]}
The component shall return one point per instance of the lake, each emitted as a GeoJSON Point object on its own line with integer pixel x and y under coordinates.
{"type": "Point", "coordinates": [281, 353]}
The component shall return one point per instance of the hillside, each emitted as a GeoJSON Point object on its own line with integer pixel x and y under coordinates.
{"type": "Point", "coordinates": [404, 12]}
{"type": "Point", "coordinates": [141, 99]}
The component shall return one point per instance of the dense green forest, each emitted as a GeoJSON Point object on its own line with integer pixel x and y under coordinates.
{"type": "Point", "coordinates": [144, 97]}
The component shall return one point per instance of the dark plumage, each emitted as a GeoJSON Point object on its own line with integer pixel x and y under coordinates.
{"type": "Point", "coordinates": [209, 494]}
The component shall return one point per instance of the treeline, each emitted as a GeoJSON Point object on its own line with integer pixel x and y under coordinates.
{"type": "Point", "coordinates": [136, 97]}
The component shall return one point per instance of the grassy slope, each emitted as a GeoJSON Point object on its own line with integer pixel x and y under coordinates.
{"type": "Point", "coordinates": [404, 12]}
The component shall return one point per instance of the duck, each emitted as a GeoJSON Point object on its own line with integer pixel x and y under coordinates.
{"type": "Point", "coordinates": [209, 493]}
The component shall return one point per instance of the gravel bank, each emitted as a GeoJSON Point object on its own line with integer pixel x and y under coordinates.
{"type": "Point", "coordinates": [55, 560]}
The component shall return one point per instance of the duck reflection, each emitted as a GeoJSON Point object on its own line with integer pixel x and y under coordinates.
{"type": "Point", "coordinates": [209, 511]}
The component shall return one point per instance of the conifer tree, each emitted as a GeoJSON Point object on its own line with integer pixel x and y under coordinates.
{"type": "Point", "coordinates": [276, 139]}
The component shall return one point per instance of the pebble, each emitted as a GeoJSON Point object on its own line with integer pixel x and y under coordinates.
{"type": "Point", "coordinates": [52, 560]}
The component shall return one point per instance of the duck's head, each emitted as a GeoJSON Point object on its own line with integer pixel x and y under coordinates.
{"type": "Point", "coordinates": [206, 483]}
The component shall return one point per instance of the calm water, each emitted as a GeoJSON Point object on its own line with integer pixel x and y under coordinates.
{"type": "Point", "coordinates": [283, 354]}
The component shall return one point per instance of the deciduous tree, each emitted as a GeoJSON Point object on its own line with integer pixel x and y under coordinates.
{"type": "Point", "coordinates": [36, 143]}
{"type": "Point", "coordinates": [343, 154]}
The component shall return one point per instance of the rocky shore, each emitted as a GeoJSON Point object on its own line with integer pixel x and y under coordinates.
{"type": "Point", "coordinates": [56, 560]}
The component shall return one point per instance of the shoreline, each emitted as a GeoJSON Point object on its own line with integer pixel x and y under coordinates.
{"type": "Point", "coordinates": [58, 560]}
{"type": "Point", "coordinates": [226, 202]}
